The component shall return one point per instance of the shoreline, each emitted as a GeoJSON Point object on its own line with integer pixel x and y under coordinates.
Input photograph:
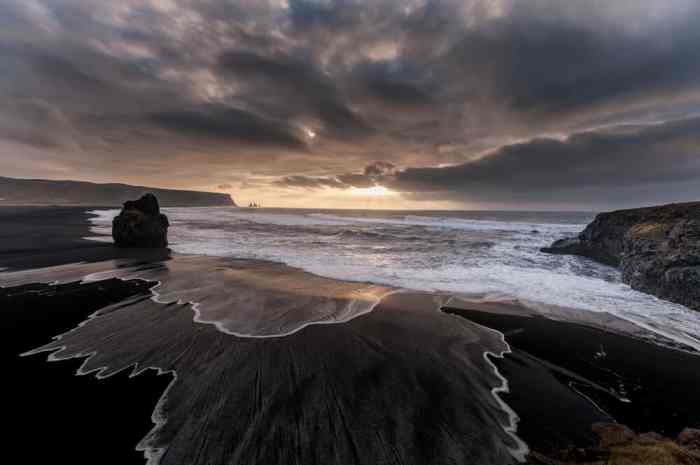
{"type": "Point", "coordinates": [242, 277]}
{"type": "Point", "coordinates": [618, 377]}
{"type": "Point", "coordinates": [34, 237]}
{"type": "Point", "coordinates": [103, 372]}
{"type": "Point", "coordinates": [91, 364]}
{"type": "Point", "coordinates": [55, 415]}
{"type": "Point", "coordinates": [523, 449]}
{"type": "Point", "coordinates": [498, 363]}
{"type": "Point", "coordinates": [158, 419]}
{"type": "Point", "coordinates": [152, 454]}
{"type": "Point", "coordinates": [668, 323]}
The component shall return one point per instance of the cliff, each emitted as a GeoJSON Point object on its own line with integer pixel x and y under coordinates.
{"type": "Point", "coordinates": [656, 248]}
{"type": "Point", "coordinates": [15, 191]}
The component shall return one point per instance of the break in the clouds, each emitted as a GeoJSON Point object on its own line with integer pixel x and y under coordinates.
{"type": "Point", "coordinates": [633, 164]}
{"type": "Point", "coordinates": [488, 102]}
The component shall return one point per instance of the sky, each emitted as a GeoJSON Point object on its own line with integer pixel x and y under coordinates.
{"type": "Point", "coordinates": [418, 104]}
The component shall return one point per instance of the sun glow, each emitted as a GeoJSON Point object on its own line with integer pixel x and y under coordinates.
{"type": "Point", "coordinates": [374, 191]}
{"type": "Point", "coordinates": [309, 133]}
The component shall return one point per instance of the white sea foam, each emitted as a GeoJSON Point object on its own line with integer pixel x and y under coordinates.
{"type": "Point", "coordinates": [428, 253]}
{"type": "Point", "coordinates": [444, 222]}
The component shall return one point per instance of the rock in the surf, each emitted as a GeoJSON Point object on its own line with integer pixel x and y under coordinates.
{"type": "Point", "coordinates": [140, 224]}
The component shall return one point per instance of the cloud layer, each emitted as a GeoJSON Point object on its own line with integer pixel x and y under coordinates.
{"type": "Point", "coordinates": [448, 97]}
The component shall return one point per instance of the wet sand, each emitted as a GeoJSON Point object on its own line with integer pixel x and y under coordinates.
{"type": "Point", "coordinates": [34, 237]}
{"type": "Point", "coordinates": [53, 416]}
{"type": "Point", "coordinates": [326, 371]}
{"type": "Point", "coordinates": [322, 371]}
{"type": "Point", "coordinates": [584, 374]}
{"type": "Point", "coordinates": [401, 384]}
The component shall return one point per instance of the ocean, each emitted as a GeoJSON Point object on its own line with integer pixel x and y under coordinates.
{"type": "Point", "coordinates": [485, 254]}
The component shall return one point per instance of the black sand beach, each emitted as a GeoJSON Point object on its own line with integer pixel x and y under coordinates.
{"type": "Point", "coordinates": [358, 392]}
{"type": "Point", "coordinates": [57, 417]}
{"type": "Point", "coordinates": [402, 383]}
{"type": "Point", "coordinates": [585, 374]}
{"type": "Point", "coordinates": [327, 393]}
{"type": "Point", "coordinates": [34, 237]}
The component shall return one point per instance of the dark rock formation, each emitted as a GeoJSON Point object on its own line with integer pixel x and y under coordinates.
{"type": "Point", "coordinates": [140, 224]}
{"type": "Point", "coordinates": [656, 248]}
{"type": "Point", "coordinates": [568, 246]}
{"type": "Point", "coordinates": [690, 439]}
{"type": "Point", "coordinates": [621, 446]}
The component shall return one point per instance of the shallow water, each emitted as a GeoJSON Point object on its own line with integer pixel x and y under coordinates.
{"type": "Point", "coordinates": [486, 253]}
{"type": "Point", "coordinates": [494, 256]}
{"type": "Point", "coordinates": [231, 397]}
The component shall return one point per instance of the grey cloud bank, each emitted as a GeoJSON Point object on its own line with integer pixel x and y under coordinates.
{"type": "Point", "coordinates": [475, 101]}
{"type": "Point", "coordinates": [594, 168]}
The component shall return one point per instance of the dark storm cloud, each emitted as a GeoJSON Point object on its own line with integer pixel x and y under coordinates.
{"type": "Point", "coordinates": [373, 174]}
{"type": "Point", "coordinates": [299, 87]}
{"type": "Point", "coordinates": [397, 91]}
{"type": "Point", "coordinates": [589, 165]}
{"type": "Point", "coordinates": [33, 122]}
{"type": "Point", "coordinates": [589, 168]}
{"type": "Point", "coordinates": [328, 87]}
{"type": "Point", "coordinates": [62, 72]}
{"type": "Point", "coordinates": [394, 82]}
{"type": "Point", "coordinates": [540, 62]}
{"type": "Point", "coordinates": [225, 123]}
{"type": "Point", "coordinates": [636, 165]}
{"type": "Point", "coordinates": [379, 169]}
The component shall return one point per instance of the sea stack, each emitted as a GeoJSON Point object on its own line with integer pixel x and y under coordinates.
{"type": "Point", "coordinates": [141, 224]}
{"type": "Point", "coordinates": [656, 248]}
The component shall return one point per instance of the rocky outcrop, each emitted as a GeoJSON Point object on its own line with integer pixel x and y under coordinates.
{"type": "Point", "coordinates": [621, 446]}
{"type": "Point", "coordinates": [567, 246]}
{"type": "Point", "coordinates": [656, 248]}
{"type": "Point", "coordinates": [141, 224]}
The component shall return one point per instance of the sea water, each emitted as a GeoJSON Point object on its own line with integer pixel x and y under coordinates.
{"type": "Point", "coordinates": [492, 254]}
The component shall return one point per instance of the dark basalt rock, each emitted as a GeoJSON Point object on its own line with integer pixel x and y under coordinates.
{"type": "Point", "coordinates": [690, 439]}
{"type": "Point", "coordinates": [140, 224]}
{"type": "Point", "coordinates": [620, 445]}
{"type": "Point", "coordinates": [656, 248]}
{"type": "Point", "coordinates": [568, 246]}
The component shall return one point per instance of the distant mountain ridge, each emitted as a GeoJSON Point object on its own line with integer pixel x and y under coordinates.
{"type": "Point", "coordinates": [15, 191]}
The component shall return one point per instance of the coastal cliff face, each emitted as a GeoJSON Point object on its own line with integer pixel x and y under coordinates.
{"type": "Point", "coordinates": [48, 192]}
{"type": "Point", "coordinates": [656, 248]}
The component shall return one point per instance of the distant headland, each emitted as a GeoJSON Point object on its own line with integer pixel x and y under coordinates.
{"type": "Point", "coordinates": [14, 191]}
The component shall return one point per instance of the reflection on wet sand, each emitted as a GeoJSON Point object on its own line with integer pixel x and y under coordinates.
{"type": "Point", "coordinates": [339, 372]}
{"type": "Point", "coordinates": [402, 383]}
